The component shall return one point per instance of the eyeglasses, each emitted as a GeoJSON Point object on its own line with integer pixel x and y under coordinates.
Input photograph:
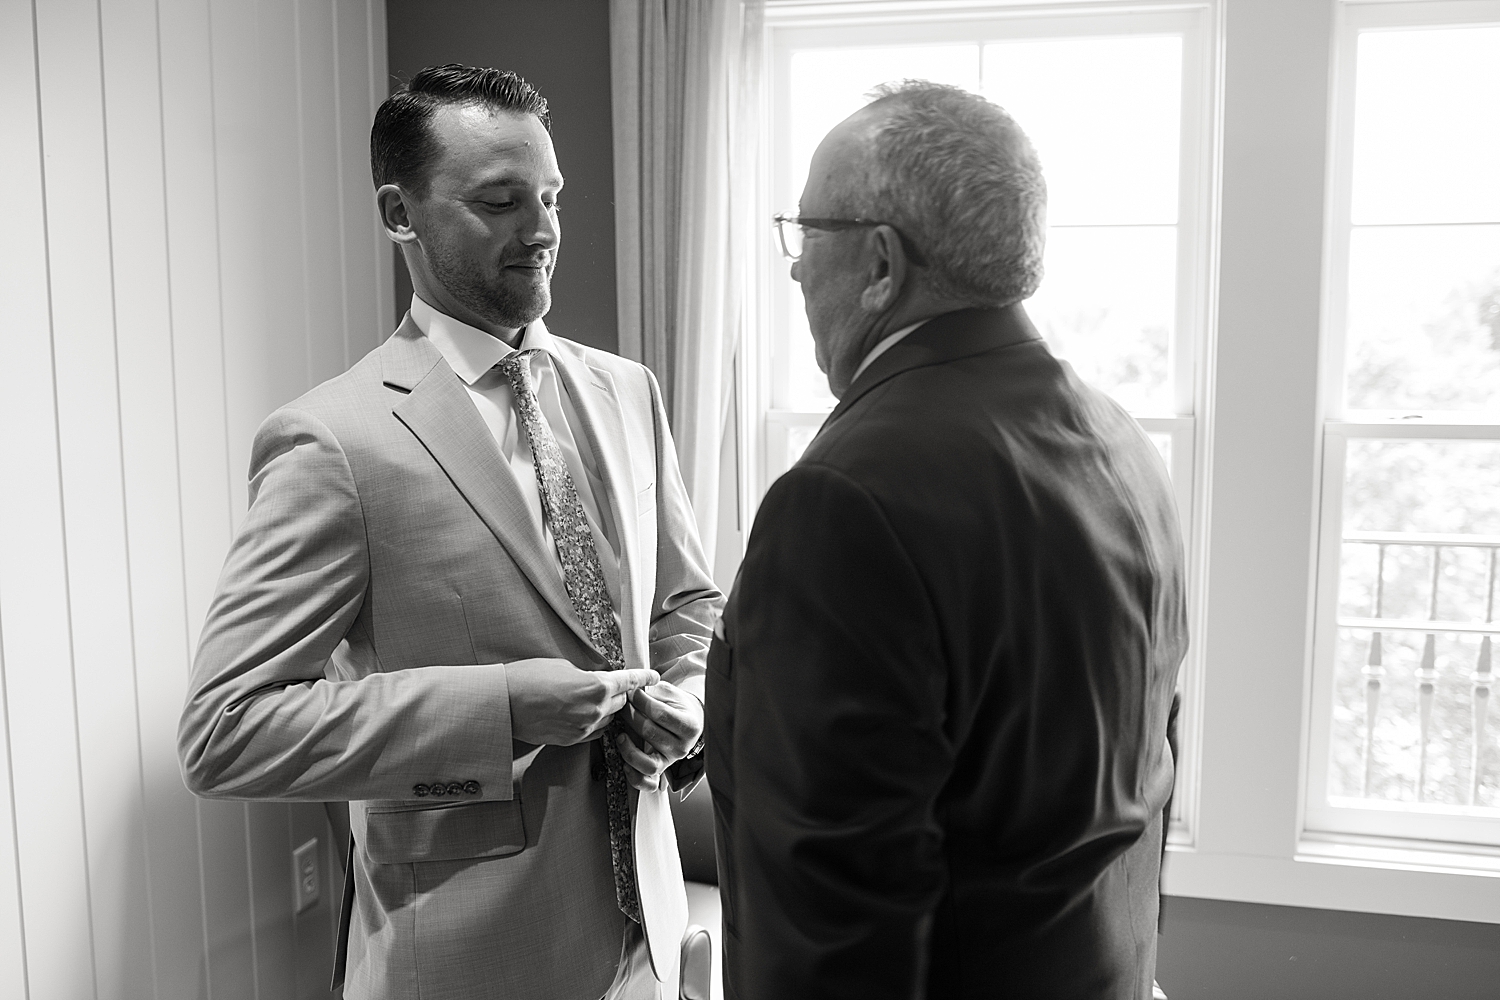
{"type": "Point", "coordinates": [790, 230]}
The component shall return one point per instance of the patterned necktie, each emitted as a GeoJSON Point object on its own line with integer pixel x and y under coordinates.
{"type": "Point", "coordinates": [584, 580]}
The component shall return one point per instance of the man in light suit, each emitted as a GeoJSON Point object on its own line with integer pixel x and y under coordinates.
{"type": "Point", "coordinates": [939, 699]}
{"type": "Point", "coordinates": [462, 559]}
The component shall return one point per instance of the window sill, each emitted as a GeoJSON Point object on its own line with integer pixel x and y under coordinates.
{"type": "Point", "coordinates": [1398, 854]}
{"type": "Point", "coordinates": [1374, 875]}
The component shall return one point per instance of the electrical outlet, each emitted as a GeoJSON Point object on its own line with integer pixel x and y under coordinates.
{"type": "Point", "coordinates": [306, 887]}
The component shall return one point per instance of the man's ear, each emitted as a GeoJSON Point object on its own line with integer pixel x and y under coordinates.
{"type": "Point", "coordinates": [397, 213]}
{"type": "Point", "coordinates": [888, 272]}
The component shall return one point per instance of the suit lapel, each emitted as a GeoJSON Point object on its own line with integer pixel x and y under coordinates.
{"type": "Point", "coordinates": [439, 412]}
{"type": "Point", "coordinates": [596, 401]}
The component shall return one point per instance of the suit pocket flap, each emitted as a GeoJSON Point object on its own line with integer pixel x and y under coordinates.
{"type": "Point", "coordinates": [445, 833]}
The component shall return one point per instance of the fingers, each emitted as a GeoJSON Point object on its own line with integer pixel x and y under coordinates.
{"type": "Point", "coordinates": [659, 703]}
{"type": "Point", "coordinates": [670, 718]}
{"type": "Point", "coordinates": [668, 708]}
{"type": "Point", "coordinates": [619, 683]}
{"type": "Point", "coordinates": [667, 741]}
{"type": "Point", "coordinates": [647, 764]}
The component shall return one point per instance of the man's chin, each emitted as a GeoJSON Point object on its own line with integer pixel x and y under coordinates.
{"type": "Point", "coordinates": [516, 312]}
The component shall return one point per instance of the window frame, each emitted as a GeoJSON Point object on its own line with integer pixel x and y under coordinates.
{"type": "Point", "coordinates": [768, 423]}
{"type": "Point", "coordinates": [1466, 839]}
{"type": "Point", "coordinates": [1258, 447]}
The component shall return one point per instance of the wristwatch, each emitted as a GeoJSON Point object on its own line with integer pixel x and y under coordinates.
{"type": "Point", "coordinates": [697, 749]}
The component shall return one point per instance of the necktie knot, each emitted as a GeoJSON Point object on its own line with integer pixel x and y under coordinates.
{"type": "Point", "coordinates": [516, 366]}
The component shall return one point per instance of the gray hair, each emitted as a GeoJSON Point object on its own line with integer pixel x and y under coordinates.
{"type": "Point", "coordinates": [959, 178]}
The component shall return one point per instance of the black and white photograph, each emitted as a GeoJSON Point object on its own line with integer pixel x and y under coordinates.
{"type": "Point", "coordinates": [750, 500]}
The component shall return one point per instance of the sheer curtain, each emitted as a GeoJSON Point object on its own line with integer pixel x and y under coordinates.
{"type": "Point", "coordinates": [685, 78]}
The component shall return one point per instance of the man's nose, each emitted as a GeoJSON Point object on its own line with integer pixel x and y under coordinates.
{"type": "Point", "coordinates": [542, 229]}
{"type": "Point", "coordinates": [797, 270]}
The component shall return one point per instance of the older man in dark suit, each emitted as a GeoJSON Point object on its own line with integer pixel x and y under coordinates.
{"type": "Point", "coordinates": [938, 701]}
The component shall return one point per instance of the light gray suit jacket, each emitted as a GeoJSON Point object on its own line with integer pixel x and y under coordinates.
{"type": "Point", "coordinates": [386, 570]}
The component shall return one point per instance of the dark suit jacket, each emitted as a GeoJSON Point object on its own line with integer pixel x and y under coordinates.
{"type": "Point", "coordinates": [937, 714]}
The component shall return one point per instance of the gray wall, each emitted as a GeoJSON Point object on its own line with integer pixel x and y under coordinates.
{"type": "Point", "coordinates": [1216, 950]}
{"type": "Point", "coordinates": [562, 48]}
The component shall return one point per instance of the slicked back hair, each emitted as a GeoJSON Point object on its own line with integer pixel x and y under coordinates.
{"type": "Point", "coordinates": [402, 146]}
{"type": "Point", "coordinates": [956, 175]}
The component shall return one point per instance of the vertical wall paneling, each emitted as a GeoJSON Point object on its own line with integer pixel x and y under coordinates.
{"type": "Point", "coordinates": [252, 198]}
{"type": "Point", "coordinates": [99, 565]}
{"type": "Point", "coordinates": [191, 244]}
{"type": "Point", "coordinates": [144, 325]}
{"type": "Point", "coordinates": [12, 941]}
{"type": "Point", "coordinates": [33, 577]}
{"type": "Point", "coordinates": [378, 87]}
{"type": "Point", "coordinates": [265, 328]}
{"type": "Point", "coordinates": [322, 236]}
{"type": "Point", "coordinates": [22, 286]}
{"type": "Point", "coordinates": [243, 194]}
{"type": "Point", "coordinates": [313, 931]}
{"type": "Point", "coordinates": [228, 915]}
{"type": "Point", "coordinates": [194, 324]}
{"type": "Point", "coordinates": [356, 73]}
{"type": "Point", "coordinates": [196, 317]}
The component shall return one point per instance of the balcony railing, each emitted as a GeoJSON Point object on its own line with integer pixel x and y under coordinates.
{"type": "Point", "coordinates": [1398, 631]}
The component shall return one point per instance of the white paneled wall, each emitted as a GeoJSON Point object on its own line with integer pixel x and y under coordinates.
{"type": "Point", "coordinates": [190, 241]}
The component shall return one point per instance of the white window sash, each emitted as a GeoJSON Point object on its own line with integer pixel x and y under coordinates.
{"type": "Point", "coordinates": [770, 424]}
{"type": "Point", "coordinates": [1353, 827]}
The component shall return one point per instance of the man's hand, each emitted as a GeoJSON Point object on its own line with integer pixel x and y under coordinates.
{"type": "Point", "coordinates": [666, 722]}
{"type": "Point", "coordinates": [552, 701]}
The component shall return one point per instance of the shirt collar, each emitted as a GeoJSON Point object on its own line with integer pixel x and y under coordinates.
{"type": "Point", "coordinates": [882, 347]}
{"type": "Point", "coordinates": [469, 351]}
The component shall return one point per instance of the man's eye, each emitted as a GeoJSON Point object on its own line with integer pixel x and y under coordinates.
{"type": "Point", "coordinates": [497, 205]}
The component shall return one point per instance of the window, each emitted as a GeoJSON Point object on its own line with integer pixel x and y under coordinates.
{"type": "Point", "coordinates": [1315, 365]}
{"type": "Point", "coordinates": [1404, 744]}
{"type": "Point", "coordinates": [1119, 105]}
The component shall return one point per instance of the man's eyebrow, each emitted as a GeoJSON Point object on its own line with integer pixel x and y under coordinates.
{"type": "Point", "coordinates": [517, 180]}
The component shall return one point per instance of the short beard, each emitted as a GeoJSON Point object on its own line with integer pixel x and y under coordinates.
{"type": "Point", "coordinates": [505, 307]}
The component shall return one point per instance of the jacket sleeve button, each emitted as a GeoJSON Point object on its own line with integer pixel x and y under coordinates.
{"type": "Point", "coordinates": [438, 788]}
{"type": "Point", "coordinates": [471, 787]}
{"type": "Point", "coordinates": [455, 788]}
{"type": "Point", "coordinates": [419, 790]}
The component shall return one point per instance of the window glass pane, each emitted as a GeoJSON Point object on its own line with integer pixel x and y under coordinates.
{"type": "Point", "coordinates": [1426, 138]}
{"type": "Point", "coordinates": [1451, 487]}
{"type": "Point", "coordinates": [1108, 301]}
{"type": "Point", "coordinates": [829, 85]}
{"type": "Point", "coordinates": [1424, 318]}
{"type": "Point", "coordinates": [1104, 114]}
{"type": "Point", "coordinates": [1416, 601]}
{"type": "Point", "coordinates": [1398, 766]}
{"type": "Point", "coordinates": [1106, 305]}
{"type": "Point", "coordinates": [797, 440]}
{"type": "Point", "coordinates": [1163, 444]}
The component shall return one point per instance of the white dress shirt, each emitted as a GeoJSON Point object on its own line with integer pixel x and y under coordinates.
{"type": "Point", "coordinates": [473, 354]}
{"type": "Point", "coordinates": [883, 346]}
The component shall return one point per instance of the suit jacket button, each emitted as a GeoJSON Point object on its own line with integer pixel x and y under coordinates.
{"type": "Point", "coordinates": [454, 788]}
{"type": "Point", "coordinates": [438, 788]}
{"type": "Point", "coordinates": [419, 790]}
{"type": "Point", "coordinates": [471, 787]}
